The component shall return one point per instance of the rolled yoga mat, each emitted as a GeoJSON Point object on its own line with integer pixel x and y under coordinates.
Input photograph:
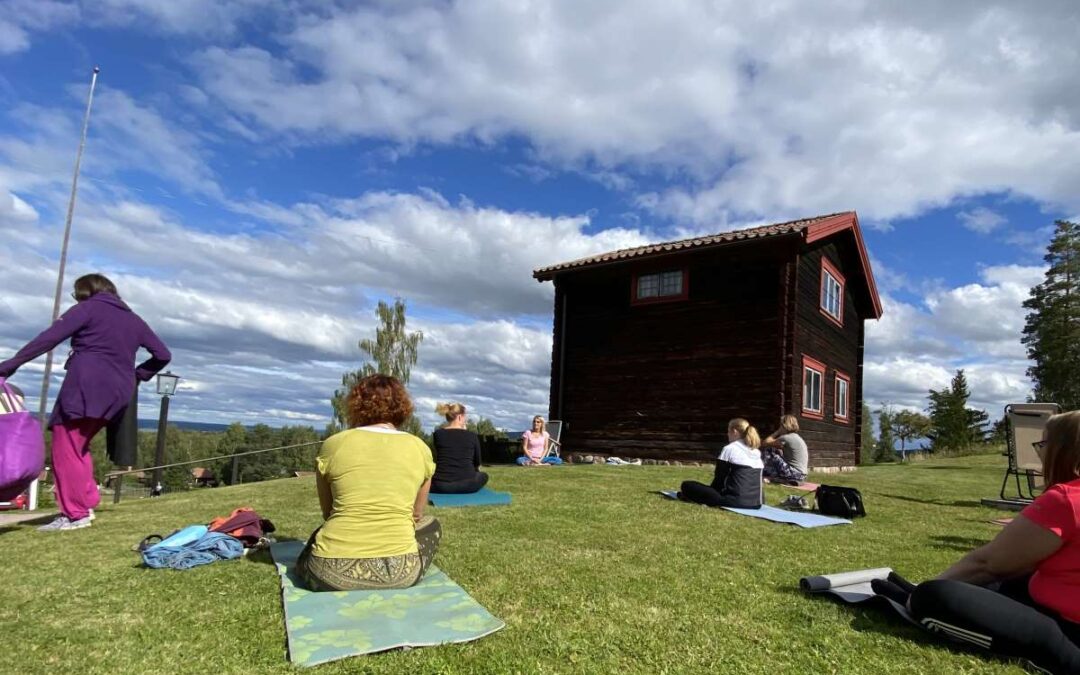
{"type": "Point", "coordinates": [853, 587]}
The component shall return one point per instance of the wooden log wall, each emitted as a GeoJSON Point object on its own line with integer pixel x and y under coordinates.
{"type": "Point", "coordinates": [831, 442]}
{"type": "Point", "coordinates": [662, 380]}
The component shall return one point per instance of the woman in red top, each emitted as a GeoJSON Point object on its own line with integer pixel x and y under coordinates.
{"type": "Point", "coordinates": [1019, 595]}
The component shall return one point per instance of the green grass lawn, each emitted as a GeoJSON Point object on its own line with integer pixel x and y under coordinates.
{"type": "Point", "coordinates": [590, 571]}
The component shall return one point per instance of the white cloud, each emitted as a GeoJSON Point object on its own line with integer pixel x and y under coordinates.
{"type": "Point", "coordinates": [780, 108]}
{"type": "Point", "coordinates": [982, 220]}
{"type": "Point", "coordinates": [199, 18]}
{"type": "Point", "coordinates": [977, 327]}
{"type": "Point", "coordinates": [19, 18]}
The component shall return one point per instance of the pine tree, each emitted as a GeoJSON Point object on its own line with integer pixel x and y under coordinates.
{"type": "Point", "coordinates": [954, 425]}
{"type": "Point", "coordinates": [394, 351]}
{"type": "Point", "coordinates": [1052, 329]}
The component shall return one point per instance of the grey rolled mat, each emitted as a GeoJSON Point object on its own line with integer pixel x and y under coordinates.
{"type": "Point", "coordinates": [853, 587]}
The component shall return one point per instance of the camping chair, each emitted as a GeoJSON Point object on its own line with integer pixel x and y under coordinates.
{"type": "Point", "coordinates": [554, 429]}
{"type": "Point", "coordinates": [1026, 424]}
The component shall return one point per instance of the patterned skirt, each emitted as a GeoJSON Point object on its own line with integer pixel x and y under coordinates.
{"type": "Point", "coordinates": [353, 574]}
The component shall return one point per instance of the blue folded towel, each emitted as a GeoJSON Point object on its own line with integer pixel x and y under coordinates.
{"type": "Point", "coordinates": [211, 547]}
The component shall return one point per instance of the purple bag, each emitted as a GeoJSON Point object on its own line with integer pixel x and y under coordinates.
{"type": "Point", "coordinates": [22, 447]}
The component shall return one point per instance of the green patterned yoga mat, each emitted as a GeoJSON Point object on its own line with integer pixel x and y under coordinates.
{"type": "Point", "coordinates": [333, 625]}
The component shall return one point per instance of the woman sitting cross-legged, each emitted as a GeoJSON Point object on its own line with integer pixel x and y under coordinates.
{"type": "Point", "coordinates": [535, 444]}
{"type": "Point", "coordinates": [1019, 595]}
{"type": "Point", "coordinates": [373, 483]}
{"type": "Point", "coordinates": [737, 481]}
{"type": "Point", "coordinates": [457, 454]}
{"type": "Point", "coordinates": [784, 453]}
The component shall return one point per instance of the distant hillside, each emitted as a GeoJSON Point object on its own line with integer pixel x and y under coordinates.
{"type": "Point", "coordinates": [151, 425]}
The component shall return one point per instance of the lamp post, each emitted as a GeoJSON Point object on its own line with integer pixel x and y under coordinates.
{"type": "Point", "coordinates": [166, 387]}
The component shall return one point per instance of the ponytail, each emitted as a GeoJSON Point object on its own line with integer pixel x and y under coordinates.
{"type": "Point", "coordinates": [752, 438]}
{"type": "Point", "coordinates": [748, 433]}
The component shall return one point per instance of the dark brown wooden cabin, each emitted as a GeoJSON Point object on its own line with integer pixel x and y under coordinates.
{"type": "Point", "coordinates": [656, 347]}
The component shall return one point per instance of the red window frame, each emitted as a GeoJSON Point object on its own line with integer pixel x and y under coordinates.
{"type": "Point", "coordinates": [838, 376]}
{"type": "Point", "coordinates": [828, 267]}
{"type": "Point", "coordinates": [634, 300]}
{"type": "Point", "coordinates": [813, 364]}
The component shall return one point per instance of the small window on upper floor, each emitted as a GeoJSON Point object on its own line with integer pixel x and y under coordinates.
{"type": "Point", "coordinates": [658, 286]}
{"type": "Point", "coordinates": [832, 292]}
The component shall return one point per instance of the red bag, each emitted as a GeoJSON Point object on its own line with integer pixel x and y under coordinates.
{"type": "Point", "coordinates": [244, 524]}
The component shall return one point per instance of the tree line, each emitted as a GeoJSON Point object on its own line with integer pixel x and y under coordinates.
{"type": "Point", "coordinates": [1051, 337]}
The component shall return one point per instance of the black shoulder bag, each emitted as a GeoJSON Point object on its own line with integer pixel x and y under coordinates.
{"type": "Point", "coordinates": [845, 502]}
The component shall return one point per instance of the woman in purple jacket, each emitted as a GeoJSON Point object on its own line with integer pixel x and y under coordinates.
{"type": "Point", "coordinates": [101, 377]}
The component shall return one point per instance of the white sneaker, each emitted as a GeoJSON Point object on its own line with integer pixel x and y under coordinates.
{"type": "Point", "coordinates": [55, 524]}
{"type": "Point", "coordinates": [92, 517]}
{"type": "Point", "coordinates": [75, 524]}
{"type": "Point", "coordinates": [63, 523]}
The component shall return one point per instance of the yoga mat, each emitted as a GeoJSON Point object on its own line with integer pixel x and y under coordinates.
{"type": "Point", "coordinates": [331, 625]}
{"type": "Point", "coordinates": [482, 497]}
{"type": "Point", "coordinates": [800, 518]}
{"type": "Point", "coordinates": [853, 587]}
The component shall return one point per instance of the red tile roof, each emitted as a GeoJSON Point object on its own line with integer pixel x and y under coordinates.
{"type": "Point", "coordinates": [811, 229]}
{"type": "Point", "coordinates": [545, 273]}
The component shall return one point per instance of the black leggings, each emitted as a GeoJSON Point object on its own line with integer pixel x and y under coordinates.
{"type": "Point", "coordinates": [460, 487]}
{"type": "Point", "coordinates": [1006, 623]}
{"type": "Point", "coordinates": [701, 493]}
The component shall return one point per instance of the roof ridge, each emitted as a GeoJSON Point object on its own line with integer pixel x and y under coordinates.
{"type": "Point", "coordinates": [700, 240]}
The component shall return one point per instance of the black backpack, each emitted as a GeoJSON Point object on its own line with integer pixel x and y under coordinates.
{"type": "Point", "coordinates": [845, 502]}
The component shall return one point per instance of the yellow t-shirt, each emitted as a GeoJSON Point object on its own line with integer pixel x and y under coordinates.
{"type": "Point", "coordinates": [374, 475]}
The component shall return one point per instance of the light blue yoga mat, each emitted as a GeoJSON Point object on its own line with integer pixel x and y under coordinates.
{"type": "Point", "coordinates": [330, 625]}
{"type": "Point", "coordinates": [800, 518]}
{"type": "Point", "coordinates": [482, 497]}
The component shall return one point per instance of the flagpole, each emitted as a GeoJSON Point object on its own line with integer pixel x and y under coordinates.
{"type": "Point", "coordinates": [64, 246]}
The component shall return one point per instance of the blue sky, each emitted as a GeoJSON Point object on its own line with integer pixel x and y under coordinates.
{"type": "Point", "coordinates": [259, 174]}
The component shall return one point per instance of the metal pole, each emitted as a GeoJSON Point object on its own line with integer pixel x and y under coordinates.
{"type": "Point", "coordinates": [235, 471]}
{"type": "Point", "coordinates": [159, 456]}
{"type": "Point", "coordinates": [63, 248]}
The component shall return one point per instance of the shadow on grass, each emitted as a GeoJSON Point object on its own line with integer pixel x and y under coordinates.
{"type": "Point", "coordinates": [935, 502]}
{"type": "Point", "coordinates": [16, 525]}
{"type": "Point", "coordinates": [954, 543]}
{"type": "Point", "coordinates": [876, 616]}
{"type": "Point", "coordinates": [870, 621]}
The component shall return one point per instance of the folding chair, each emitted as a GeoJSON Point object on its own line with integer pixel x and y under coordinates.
{"type": "Point", "coordinates": [1026, 424]}
{"type": "Point", "coordinates": [554, 429]}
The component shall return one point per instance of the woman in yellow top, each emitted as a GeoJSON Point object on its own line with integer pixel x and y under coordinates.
{"type": "Point", "coordinates": [373, 483]}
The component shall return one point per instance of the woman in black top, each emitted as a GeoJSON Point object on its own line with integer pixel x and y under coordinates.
{"type": "Point", "coordinates": [457, 454]}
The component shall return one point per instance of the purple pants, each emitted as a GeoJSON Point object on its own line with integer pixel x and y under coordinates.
{"type": "Point", "coordinates": [73, 468]}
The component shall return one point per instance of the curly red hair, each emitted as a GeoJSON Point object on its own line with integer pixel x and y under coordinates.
{"type": "Point", "coordinates": [379, 398]}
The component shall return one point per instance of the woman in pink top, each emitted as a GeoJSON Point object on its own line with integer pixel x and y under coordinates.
{"type": "Point", "coordinates": [534, 446]}
{"type": "Point", "coordinates": [1019, 595]}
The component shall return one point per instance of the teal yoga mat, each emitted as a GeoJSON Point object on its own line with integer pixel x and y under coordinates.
{"type": "Point", "coordinates": [800, 518]}
{"type": "Point", "coordinates": [482, 497]}
{"type": "Point", "coordinates": [331, 625]}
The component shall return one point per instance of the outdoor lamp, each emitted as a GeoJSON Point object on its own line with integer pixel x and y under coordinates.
{"type": "Point", "coordinates": [166, 383]}
{"type": "Point", "coordinates": [166, 387]}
